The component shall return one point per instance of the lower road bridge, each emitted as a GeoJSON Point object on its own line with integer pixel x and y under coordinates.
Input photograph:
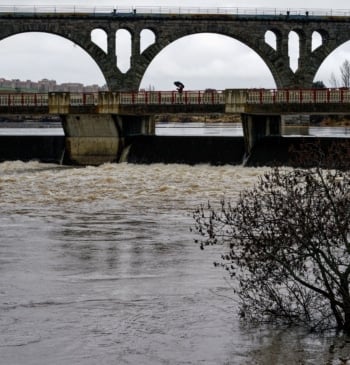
{"type": "Point", "coordinates": [96, 125]}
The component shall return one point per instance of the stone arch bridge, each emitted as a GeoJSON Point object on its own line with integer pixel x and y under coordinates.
{"type": "Point", "coordinates": [167, 28]}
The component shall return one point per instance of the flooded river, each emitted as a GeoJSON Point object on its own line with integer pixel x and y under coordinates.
{"type": "Point", "coordinates": [98, 266]}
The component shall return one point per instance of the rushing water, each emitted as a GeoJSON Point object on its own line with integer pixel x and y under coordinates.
{"type": "Point", "coordinates": [188, 129]}
{"type": "Point", "coordinates": [98, 266]}
{"type": "Point", "coordinates": [235, 129]}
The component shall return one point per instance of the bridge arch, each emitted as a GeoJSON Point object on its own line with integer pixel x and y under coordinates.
{"type": "Point", "coordinates": [332, 61]}
{"type": "Point", "coordinates": [80, 36]}
{"type": "Point", "coordinates": [171, 27]}
{"type": "Point", "coordinates": [198, 43]}
{"type": "Point", "coordinates": [49, 47]}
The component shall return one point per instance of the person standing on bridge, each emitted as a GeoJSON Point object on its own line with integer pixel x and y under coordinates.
{"type": "Point", "coordinates": [179, 87]}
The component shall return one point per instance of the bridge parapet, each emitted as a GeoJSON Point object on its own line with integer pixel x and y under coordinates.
{"type": "Point", "coordinates": [98, 11]}
{"type": "Point", "coordinates": [108, 102]}
{"type": "Point", "coordinates": [236, 101]}
{"type": "Point", "coordinates": [137, 103]}
{"type": "Point", "coordinates": [59, 103]}
{"type": "Point", "coordinates": [288, 101]}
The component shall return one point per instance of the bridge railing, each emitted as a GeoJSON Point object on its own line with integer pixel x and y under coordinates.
{"type": "Point", "coordinates": [247, 96]}
{"type": "Point", "coordinates": [125, 98]}
{"type": "Point", "coordinates": [42, 99]}
{"type": "Point", "coordinates": [172, 97]}
{"type": "Point", "coordinates": [21, 99]}
{"type": "Point", "coordinates": [305, 96]}
{"type": "Point", "coordinates": [82, 99]}
{"type": "Point", "coordinates": [117, 10]}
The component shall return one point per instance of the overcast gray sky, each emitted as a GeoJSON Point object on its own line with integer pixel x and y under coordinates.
{"type": "Point", "coordinates": [209, 60]}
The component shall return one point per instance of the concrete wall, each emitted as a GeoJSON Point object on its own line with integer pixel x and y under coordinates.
{"type": "Point", "coordinates": [142, 149]}
{"type": "Point", "coordinates": [189, 150]}
{"type": "Point", "coordinates": [26, 148]}
{"type": "Point", "coordinates": [273, 150]}
{"type": "Point", "coordinates": [158, 149]}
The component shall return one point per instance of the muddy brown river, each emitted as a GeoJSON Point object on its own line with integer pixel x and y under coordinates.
{"type": "Point", "coordinates": [98, 266]}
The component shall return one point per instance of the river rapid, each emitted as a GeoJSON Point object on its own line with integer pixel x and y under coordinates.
{"type": "Point", "coordinates": [98, 266]}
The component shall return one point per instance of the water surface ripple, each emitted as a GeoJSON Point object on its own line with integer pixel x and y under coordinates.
{"type": "Point", "coordinates": [98, 265]}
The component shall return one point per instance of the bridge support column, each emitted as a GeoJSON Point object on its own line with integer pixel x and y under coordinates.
{"type": "Point", "coordinates": [91, 139]}
{"type": "Point", "coordinates": [256, 127]}
{"type": "Point", "coordinates": [94, 139]}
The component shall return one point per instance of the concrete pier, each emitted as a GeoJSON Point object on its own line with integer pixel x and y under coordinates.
{"type": "Point", "coordinates": [94, 139]}
{"type": "Point", "coordinates": [91, 139]}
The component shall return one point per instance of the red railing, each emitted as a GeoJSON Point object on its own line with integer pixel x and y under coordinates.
{"type": "Point", "coordinates": [303, 96]}
{"type": "Point", "coordinates": [248, 96]}
{"type": "Point", "coordinates": [172, 97]}
{"type": "Point", "coordinates": [42, 99]}
{"type": "Point", "coordinates": [125, 98]}
{"type": "Point", "coordinates": [20, 99]}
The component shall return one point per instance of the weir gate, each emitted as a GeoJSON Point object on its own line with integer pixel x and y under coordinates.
{"type": "Point", "coordinates": [96, 125]}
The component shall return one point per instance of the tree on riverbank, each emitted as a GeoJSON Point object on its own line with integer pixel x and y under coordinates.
{"type": "Point", "coordinates": [344, 76]}
{"type": "Point", "coordinates": [288, 246]}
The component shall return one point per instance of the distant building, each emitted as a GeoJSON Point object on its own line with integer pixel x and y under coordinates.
{"type": "Point", "coordinates": [45, 85]}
